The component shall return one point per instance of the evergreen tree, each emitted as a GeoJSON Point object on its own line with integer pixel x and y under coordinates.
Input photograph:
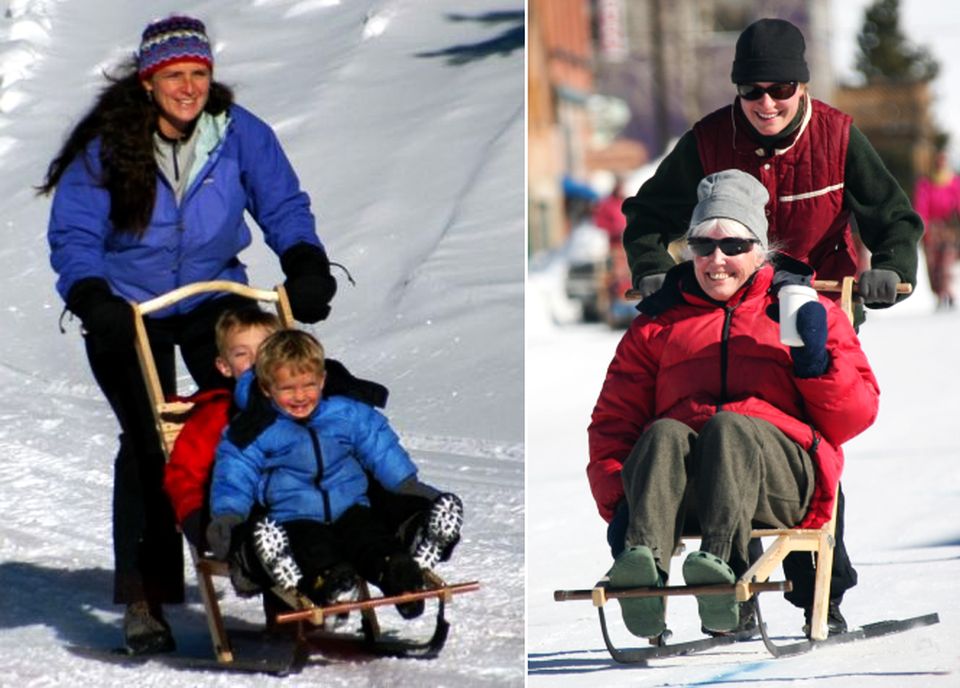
{"type": "Point", "coordinates": [885, 54]}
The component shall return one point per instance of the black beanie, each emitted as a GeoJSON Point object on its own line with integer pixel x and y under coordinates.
{"type": "Point", "coordinates": [770, 50]}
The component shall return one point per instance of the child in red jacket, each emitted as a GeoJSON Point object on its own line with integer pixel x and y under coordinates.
{"type": "Point", "coordinates": [187, 475]}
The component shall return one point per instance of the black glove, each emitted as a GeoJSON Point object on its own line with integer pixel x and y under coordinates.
{"type": "Point", "coordinates": [249, 422]}
{"type": "Point", "coordinates": [878, 287]}
{"type": "Point", "coordinates": [341, 381]}
{"type": "Point", "coordinates": [106, 317]}
{"type": "Point", "coordinates": [650, 284]}
{"type": "Point", "coordinates": [617, 528]}
{"type": "Point", "coordinates": [811, 359]}
{"type": "Point", "coordinates": [192, 528]}
{"type": "Point", "coordinates": [310, 286]}
{"type": "Point", "coordinates": [219, 534]}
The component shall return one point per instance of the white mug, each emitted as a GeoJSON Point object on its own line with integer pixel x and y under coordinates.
{"type": "Point", "coordinates": [792, 296]}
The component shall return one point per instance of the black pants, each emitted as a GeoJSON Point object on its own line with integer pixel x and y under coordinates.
{"type": "Point", "coordinates": [358, 538]}
{"type": "Point", "coordinates": [798, 567]}
{"type": "Point", "coordinates": [148, 551]}
{"type": "Point", "coordinates": [401, 514]}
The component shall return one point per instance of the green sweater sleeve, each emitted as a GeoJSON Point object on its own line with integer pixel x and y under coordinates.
{"type": "Point", "coordinates": [660, 211]}
{"type": "Point", "coordinates": [887, 223]}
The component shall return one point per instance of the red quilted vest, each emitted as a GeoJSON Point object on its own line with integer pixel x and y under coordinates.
{"type": "Point", "coordinates": [806, 214]}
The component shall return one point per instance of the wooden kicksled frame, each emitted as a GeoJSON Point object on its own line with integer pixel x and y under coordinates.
{"type": "Point", "coordinates": [170, 417]}
{"type": "Point", "coordinates": [819, 541]}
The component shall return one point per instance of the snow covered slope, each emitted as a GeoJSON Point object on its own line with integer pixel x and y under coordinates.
{"type": "Point", "coordinates": [404, 120]}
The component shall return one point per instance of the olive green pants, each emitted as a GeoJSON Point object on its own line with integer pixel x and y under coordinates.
{"type": "Point", "coordinates": [736, 474]}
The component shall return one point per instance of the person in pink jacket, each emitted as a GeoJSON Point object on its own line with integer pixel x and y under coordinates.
{"type": "Point", "coordinates": [706, 423]}
{"type": "Point", "coordinates": [937, 200]}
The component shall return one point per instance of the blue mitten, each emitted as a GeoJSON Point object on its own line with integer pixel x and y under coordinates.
{"type": "Point", "coordinates": [811, 359]}
{"type": "Point", "coordinates": [617, 529]}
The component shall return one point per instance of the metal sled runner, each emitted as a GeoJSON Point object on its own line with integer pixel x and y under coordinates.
{"type": "Point", "coordinates": [170, 417]}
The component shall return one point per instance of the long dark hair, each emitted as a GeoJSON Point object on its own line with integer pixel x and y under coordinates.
{"type": "Point", "coordinates": [124, 119]}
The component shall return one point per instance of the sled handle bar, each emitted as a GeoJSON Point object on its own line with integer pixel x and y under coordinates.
{"type": "Point", "coordinates": [276, 295]}
{"type": "Point", "coordinates": [167, 430]}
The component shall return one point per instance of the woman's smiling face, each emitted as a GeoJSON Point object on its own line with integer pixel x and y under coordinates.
{"type": "Point", "coordinates": [719, 275]}
{"type": "Point", "coordinates": [180, 91]}
{"type": "Point", "coordinates": [768, 115]}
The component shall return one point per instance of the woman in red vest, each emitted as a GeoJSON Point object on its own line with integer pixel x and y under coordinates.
{"type": "Point", "coordinates": [816, 165]}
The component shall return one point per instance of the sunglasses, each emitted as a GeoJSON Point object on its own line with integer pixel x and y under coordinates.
{"type": "Point", "coordinates": [730, 246]}
{"type": "Point", "coordinates": [781, 91]}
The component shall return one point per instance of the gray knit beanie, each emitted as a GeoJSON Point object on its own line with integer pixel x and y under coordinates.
{"type": "Point", "coordinates": [736, 195]}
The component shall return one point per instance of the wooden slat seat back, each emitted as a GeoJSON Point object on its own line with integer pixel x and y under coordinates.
{"type": "Point", "coordinates": [170, 417]}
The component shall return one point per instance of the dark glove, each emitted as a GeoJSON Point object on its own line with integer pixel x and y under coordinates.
{"type": "Point", "coordinates": [878, 287]}
{"type": "Point", "coordinates": [192, 528]}
{"type": "Point", "coordinates": [106, 317]}
{"type": "Point", "coordinates": [341, 381]}
{"type": "Point", "coordinates": [219, 534]}
{"type": "Point", "coordinates": [617, 529]}
{"type": "Point", "coordinates": [811, 359]}
{"type": "Point", "coordinates": [650, 284]}
{"type": "Point", "coordinates": [310, 286]}
{"type": "Point", "coordinates": [249, 422]}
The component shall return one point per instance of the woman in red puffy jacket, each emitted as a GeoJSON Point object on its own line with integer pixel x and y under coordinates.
{"type": "Point", "coordinates": [707, 423]}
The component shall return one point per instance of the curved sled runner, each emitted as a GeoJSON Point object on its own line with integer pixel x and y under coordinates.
{"type": "Point", "coordinates": [294, 649]}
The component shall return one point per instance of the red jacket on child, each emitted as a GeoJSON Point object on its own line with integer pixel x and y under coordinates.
{"type": "Point", "coordinates": [187, 475]}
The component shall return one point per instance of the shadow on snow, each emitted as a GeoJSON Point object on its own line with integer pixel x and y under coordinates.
{"type": "Point", "coordinates": [503, 44]}
{"type": "Point", "coordinates": [76, 604]}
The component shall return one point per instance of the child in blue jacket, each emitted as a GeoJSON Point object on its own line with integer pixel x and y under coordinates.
{"type": "Point", "coordinates": [308, 470]}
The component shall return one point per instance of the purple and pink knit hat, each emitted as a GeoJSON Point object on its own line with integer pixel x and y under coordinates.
{"type": "Point", "coordinates": [173, 39]}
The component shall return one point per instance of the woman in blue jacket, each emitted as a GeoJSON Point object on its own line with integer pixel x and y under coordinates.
{"type": "Point", "coordinates": [150, 192]}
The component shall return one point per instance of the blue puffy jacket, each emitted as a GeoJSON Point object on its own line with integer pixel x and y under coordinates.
{"type": "Point", "coordinates": [311, 469]}
{"type": "Point", "coordinates": [239, 166]}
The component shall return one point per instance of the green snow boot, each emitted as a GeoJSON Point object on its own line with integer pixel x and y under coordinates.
{"type": "Point", "coordinates": [717, 612]}
{"type": "Point", "coordinates": [636, 567]}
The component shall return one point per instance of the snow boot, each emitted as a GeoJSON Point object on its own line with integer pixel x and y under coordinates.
{"type": "Point", "coordinates": [836, 624]}
{"type": "Point", "coordinates": [145, 631]}
{"type": "Point", "coordinates": [273, 549]}
{"type": "Point", "coordinates": [636, 567]}
{"type": "Point", "coordinates": [717, 612]}
{"type": "Point", "coordinates": [747, 626]}
{"type": "Point", "coordinates": [402, 574]}
{"type": "Point", "coordinates": [435, 539]}
{"type": "Point", "coordinates": [336, 585]}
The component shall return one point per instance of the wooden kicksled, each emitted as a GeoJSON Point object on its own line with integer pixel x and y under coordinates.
{"type": "Point", "coordinates": [307, 618]}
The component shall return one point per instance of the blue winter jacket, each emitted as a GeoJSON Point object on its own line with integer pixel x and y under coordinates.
{"type": "Point", "coordinates": [311, 469]}
{"type": "Point", "coordinates": [239, 166]}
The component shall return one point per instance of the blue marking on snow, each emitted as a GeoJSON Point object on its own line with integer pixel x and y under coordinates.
{"type": "Point", "coordinates": [721, 678]}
